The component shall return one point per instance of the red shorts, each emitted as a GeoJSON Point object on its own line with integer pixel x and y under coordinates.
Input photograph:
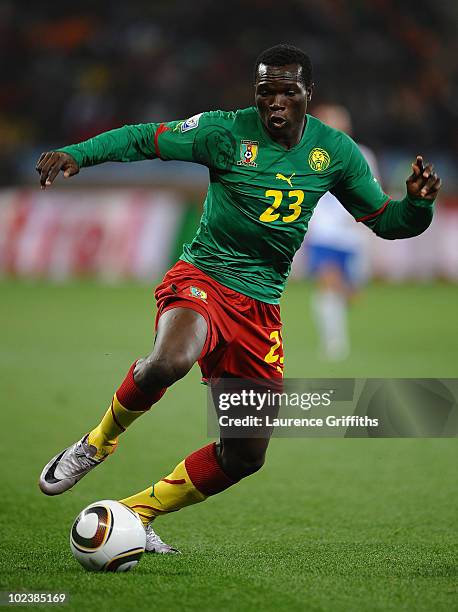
{"type": "Point", "coordinates": [244, 335]}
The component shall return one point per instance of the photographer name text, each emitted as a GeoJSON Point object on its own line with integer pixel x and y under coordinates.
{"type": "Point", "coordinates": [267, 421]}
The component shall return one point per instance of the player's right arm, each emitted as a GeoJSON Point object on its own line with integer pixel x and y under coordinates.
{"type": "Point", "coordinates": [204, 138]}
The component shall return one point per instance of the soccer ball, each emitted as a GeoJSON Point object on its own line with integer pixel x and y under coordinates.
{"type": "Point", "coordinates": [107, 536]}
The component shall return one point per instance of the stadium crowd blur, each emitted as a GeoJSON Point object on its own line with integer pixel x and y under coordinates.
{"type": "Point", "coordinates": [70, 70]}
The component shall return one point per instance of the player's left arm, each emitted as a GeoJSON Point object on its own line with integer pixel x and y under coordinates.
{"type": "Point", "coordinates": [412, 215]}
{"type": "Point", "coordinates": [363, 197]}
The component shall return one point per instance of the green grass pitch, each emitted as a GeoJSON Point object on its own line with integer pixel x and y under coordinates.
{"type": "Point", "coordinates": [328, 524]}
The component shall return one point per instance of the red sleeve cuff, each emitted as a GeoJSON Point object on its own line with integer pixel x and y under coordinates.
{"type": "Point", "coordinates": [374, 214]}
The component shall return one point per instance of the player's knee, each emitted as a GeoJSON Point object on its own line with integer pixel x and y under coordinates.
{"type": "Point", "coordinates": [161, 371]}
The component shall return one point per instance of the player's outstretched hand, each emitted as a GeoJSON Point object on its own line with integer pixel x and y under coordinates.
{"type": "Point", "coordinates": [423, 182]}
{"type": "Point", "coordinates": [50, 164]}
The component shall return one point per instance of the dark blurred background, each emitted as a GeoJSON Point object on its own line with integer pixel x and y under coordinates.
{"type": "Point", "coordinates": [70, 70]}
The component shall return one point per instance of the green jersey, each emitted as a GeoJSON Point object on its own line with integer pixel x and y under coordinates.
{"type": "Point", "coordinates": [260, 196]}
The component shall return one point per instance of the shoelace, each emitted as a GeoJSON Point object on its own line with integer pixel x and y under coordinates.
{"type": "Point", "coordinates": [76, 462]}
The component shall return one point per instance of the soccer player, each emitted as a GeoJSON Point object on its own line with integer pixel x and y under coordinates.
{"type": "Point", "coordinates": [219, 304]}
{"type": "Point", "coordinates": [335, 253]}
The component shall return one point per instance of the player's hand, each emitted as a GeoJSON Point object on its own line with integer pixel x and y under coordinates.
{"type": "Point", "coordinates": [423, 182]}
{"type": "Point", "coordinates": [50, 164]}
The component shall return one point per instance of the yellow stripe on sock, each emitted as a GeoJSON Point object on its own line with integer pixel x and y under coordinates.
{"type": "Point", "coordinates": [169, 494]}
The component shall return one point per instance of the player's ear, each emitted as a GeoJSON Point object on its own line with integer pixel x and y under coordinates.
{"type": "Point", "coordinates": [309, 92]}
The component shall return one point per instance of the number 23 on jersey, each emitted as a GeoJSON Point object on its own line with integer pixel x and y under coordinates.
{"type": "Point", "coordinates": [294, 200]}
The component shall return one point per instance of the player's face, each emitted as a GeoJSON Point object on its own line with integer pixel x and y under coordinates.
{"type": "Point", "coordinates": [281, 98]}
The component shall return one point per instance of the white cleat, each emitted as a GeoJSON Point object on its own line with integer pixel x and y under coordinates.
{"type": "Point", "coordinates": [154, 544]}
{"type": "Point", "coordinates": [68, 467]}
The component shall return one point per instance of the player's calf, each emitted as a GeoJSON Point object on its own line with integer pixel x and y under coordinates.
{"type": "Point", "coordinates": [240, 458]}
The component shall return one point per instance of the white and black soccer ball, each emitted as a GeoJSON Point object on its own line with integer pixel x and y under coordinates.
{"type": "Point", "coordinates": [107, 536]}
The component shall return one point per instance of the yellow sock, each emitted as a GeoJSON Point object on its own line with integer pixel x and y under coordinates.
{"type": "Point", "coordinates": [115, 420]}
{"type": "Point", "coordinates": [168, 495]}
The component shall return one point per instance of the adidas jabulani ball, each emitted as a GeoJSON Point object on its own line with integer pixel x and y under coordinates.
{"type": "Point", "coordinates": [107, 537]}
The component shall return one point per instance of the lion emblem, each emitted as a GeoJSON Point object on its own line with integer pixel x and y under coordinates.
{"type": "Point", "coordinates": [319, 159]}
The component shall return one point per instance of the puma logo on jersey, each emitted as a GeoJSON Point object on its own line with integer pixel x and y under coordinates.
{"type": "Point", "coordinates": [282, 177]}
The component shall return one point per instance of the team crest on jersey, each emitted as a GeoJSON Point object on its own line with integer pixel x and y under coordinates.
{"type": "Point", "coordinates": [319, 159]}
{"type": "Point", "coordinates": [248, 153]}
{"type": "Point", "coordinates": [191, 123]}
{"type": "Point", "coordinates": [198, 293]}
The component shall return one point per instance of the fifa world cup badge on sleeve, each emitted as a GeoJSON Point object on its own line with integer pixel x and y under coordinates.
{"type": "Point", "coordinates": [248, 153]}
{"type": "Point", "coordinates": [191, 123]}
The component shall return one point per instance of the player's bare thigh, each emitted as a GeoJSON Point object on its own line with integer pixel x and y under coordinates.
{"type": "Point", "coordinates": [180, 339]}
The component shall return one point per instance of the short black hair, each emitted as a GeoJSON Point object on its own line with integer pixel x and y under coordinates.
{"type": "Point", "coordinates": [283, 54]}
